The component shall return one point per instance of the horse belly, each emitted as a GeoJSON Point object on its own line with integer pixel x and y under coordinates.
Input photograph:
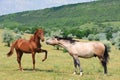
{"type": "Point", "coordinates": [85, 53]}
{"type": "Point", "coordinates": [25, 47]}
{"type": "Point", "coordinates": [25, 50]}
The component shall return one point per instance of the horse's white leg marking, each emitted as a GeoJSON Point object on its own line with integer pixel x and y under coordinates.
{"type": "Point", "coordinates": [81, 73]}
{"type": "Point", "coordinates": [74, 72]}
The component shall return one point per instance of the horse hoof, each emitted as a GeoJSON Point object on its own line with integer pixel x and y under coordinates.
{"type": "Point", "coordinates": [74, 73]}
{"type": "Point", "coordinates": [21, 70]}
{"type": "Point", "coordinates": [34, 70]}
{"type": "Point", "coordinates": [43, 60]}
{"type": "Point", "coordinates": [81, 73]}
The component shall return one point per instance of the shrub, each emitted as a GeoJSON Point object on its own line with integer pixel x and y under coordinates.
{"type": "Point", "coordinates": [115, 40]}
{"type": "Point", "coordinates": [91, 37]}
{"type": "Point", "coordinates": [108, 44]}
{"type": "Point", "coordinates": [55, 33]}
{"type": "Point", "coordinates": [18, 36]}
{"type": "Point", "coordinates": [16, 30]}
{"type": "Point", "coordinates": [65, 51]}
{"type": "Point", "coordinates": [28, 31]}
{"type": "Point", "coordinates": [97, 37]}
{"type": "Point", "coordinates": [102, 36]}
{"type": "Point", "coordinates": [7, 37]}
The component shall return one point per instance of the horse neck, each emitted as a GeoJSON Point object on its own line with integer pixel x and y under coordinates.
{"type": "Point", "coordinates": [64, 44]}
{"type": "Point", "coordinates": [36, 40]}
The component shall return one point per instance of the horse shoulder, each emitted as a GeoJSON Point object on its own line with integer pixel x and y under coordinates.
{"type": "Point", "coordinates": [74, 48]}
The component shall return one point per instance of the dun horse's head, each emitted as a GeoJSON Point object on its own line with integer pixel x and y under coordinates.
{"type": "Point", "coordinates": [39, 34]}
{"type": "Point", "coordinates": [52, 41]}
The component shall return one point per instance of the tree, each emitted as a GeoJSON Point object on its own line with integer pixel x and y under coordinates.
{"type": "Point", "coordinates": [108, 44]}
{"type": "Point", "coordinates": [16, 30]}
{"type": "Point", "coordinates": [115, 40]}
{"type": "Point", "coordinates": [55, 33]}
{"type": "Point", "coordinates": [7, 37]}
{"type": "Point", "coordinates": [91, 37]}
{"type": "Point", "coordinates": [17, 36]}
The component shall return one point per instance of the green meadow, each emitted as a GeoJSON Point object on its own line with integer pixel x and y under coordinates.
{"type": "Point", "coordinates": [58, 66]}
{"type": "Point", "coordinates": [80, 20]}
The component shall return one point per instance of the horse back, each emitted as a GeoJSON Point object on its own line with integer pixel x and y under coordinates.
{"type": "Point", "coordinates": [25, 45]}
{"type": "Point", "coordinates": [88, 49]}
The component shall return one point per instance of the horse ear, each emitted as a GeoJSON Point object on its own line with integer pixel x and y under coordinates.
{"type": "Point", "coordinates": [58, 38]}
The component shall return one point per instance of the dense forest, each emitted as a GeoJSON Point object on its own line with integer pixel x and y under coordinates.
{"type": "Point", "coordinates": [93, 20]}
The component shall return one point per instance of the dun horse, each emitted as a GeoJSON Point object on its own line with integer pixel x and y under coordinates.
{"type": "Point", "coordinates": [28, 46]}
{"type": "Point", "coordinates": [82, 49]}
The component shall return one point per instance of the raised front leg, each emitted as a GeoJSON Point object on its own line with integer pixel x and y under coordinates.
{"type": "Point", "coordinates": [45, 54]}
{"type": "Point", "coordinates": [42, 50]}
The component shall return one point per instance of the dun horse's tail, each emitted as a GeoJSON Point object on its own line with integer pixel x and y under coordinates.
{"type": "Point", "coordinates": [106, 55]}
{"type": "Point", "coordinates": [11, 50]}
{"type": "Point", "coordinates": [105, 59]}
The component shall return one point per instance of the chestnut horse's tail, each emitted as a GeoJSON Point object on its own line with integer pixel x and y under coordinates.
{"type": "Point", "coordinates": [12, 49]}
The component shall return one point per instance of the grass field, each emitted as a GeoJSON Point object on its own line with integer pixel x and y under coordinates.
{"type": "Point", "coordinates": [58, 66]}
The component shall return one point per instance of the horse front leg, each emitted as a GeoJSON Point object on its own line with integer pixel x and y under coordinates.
{"type": "Point", "coordinates": [33, 58]}
{"type": "Point", "coordinates": [77, 63]}
{"type": "Point", "coordinates": [45, 54]}
{"type": "Point", "coordinates": [42, 50]}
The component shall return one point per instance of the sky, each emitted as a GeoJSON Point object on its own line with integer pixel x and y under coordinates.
{"type": "Point", "coordinates": [13, 6]}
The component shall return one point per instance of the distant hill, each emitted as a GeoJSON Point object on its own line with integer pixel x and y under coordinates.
{"type": "Point", "coordinates": [73, 15]}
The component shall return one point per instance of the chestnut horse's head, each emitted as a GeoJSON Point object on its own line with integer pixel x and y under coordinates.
{"type": "Point", "coordinates": [39, 34]}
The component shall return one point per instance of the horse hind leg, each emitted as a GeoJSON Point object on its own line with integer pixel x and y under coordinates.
{"type": "Point", "coordinates": [104, 64]}
{"type": "Point", "coordinates": [19, 56]}
{"type": "Point", "coordinates": [80, 69]}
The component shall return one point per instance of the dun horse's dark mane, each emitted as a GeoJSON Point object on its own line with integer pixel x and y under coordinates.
{"type": "Point", "coordinates": [66, 38]}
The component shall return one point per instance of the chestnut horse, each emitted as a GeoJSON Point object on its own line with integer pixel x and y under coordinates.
{"type": "Point", "coordinates": [82, 49]}
{"type": "Point", "coordinates": [28, 46]}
